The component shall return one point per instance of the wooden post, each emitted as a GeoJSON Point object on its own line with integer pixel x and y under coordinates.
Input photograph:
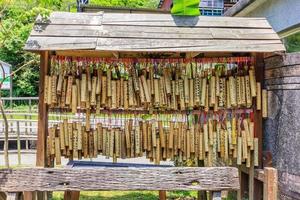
{"type": "Point", "coordinates": [251, 180]}
{"type": "Point", "coordinates": [270, 183]}
{"type": "Point", "coordinates": [43, 113]}
{"type": "Point", "coordinates": [71, 195]}
{"type": "Point", "coordinates": [162, 195]}
{"type": "Point", "coordinates": [18, 143]}
{"type": "Point", "coordinates": [42, 118]}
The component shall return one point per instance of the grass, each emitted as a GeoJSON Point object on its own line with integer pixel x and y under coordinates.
{"type": "Point", "coordinates": [128, 195]}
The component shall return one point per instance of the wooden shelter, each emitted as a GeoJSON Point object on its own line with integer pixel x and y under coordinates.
{"type": "Point", "coordinates": [124, 35]}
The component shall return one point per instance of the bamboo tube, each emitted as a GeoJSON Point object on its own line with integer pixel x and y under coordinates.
{"type": "Point", "coordinates": [233, 127]}
{"type": "Point", "coordinates": [186, 90]}
{"type": "Point", "coordinates": [93, 93]}
{"type": "Point", "coordinates": [88, 80]}
{"type": "Point", "coordinates": [258, 96]}
{"type": "Point", "coordinates": [104, 141]}
{"type": "Point", "coordinates": [136, 85]}
{"type": "Point", "coordinates": [104, 89]}
{"type": "Point", "coordinates": [79, 136]}
{"type": "Point", "coordinates": [197, 90]}
{"type": "Point", "coordinates": [175, 142]}
{"type": "Point", "coordinates": [125, 95]}
{"type": "Point", "coordinates": [247, 132]}
{"type": "Point", "coordinates": [251, 130]}
{"type": "Point", "coordinates": [59, 84]}
{"type": "Point", "coordinates": [171, 135]}
{"type": "Point", "coordinates": [203, 92]}
{"type": "Point", "coordinates": [127, 136]}
{"type": "Point", "coordinates": [88, 120]}
{"type": "Point", "coordinates": [218, 137]}
{"type": "Point", "coordinates": [145, 89]}
{"type": "Point", "coordinates": [151, 74]}
{"type": "Point", "coordinates": [173, 93]}
{"type": "Point", "coordinates": [226, 146]}
{"type": "Point", "coordinates": [191, 93]}
{"type": "Point", "coordinates": [206, 108]}
{"type": "Point", "coordinates": [232, 86]}
{"type": "Point", "coordinates": [53, 90]}
{"type": "Point", "coordinates": [74, 99]}
{"type": "Point", "coordinates": [239, 151]}
{"type": "Point", "coordinates": [222, 143]}
{"type": "Point", "coordinates": [63, 93]}
{"type": "Point", "coordinates": [145, 136]}
{"type": "Point", "coordinates": [141, 93]}
{"type": "Point", "coordinates": [95, 143]}
{"type": "Point", "coordinates": [210, 131]}
{"type": "Point", "coordinates": [222, 86]}
{"type": "Point", "coordinates": [111, 142]}
{"type": "Point", "coordinates": [264, 104]}
{"type": "Point", "coordinates": [100, 136]}
{"type": "Point", "coordinates": [228, 97]}
{"type": "Point", "coordinates": [66, 134]}
{"type": "Point", "coordinates": [52, 140]}
{"type": "Point", "coordinates": [78, 88]}
{"type": "Point", "coordinates": [217, 86]}
{"type": "Point", "coordinates": [91, 144]}
{"type": "Point", "coordinates": [255, 161]}
{"type": "Point", "coordinates": [108, 83]}
{"type": "Point", "coordinates": [70, 134]}
{"type": "Point", "coordinates": [161, 134]}
{"type": "Point", "coordinates": [248, 92]}
{"type": "Point", "coordinates": [123, 146]}
{"type": "Point", "coordinates": [108, 142]}
{"type": "Point", "coordinates": [177, 90]}
{"type": "Point", "coordinates": [212, 89]}
{"type": "Point", "coordinates": [149, 136]}
{"type": "Point", "coordinates": [245, 151]}
{"type": "Point", "coordinates": [201, 155]}
{"type": "Point", "coordinates": [248, 160]}
{"type": "Point", "coordinates": [46, 88]}
{"type": "Point", "coordinates": [121, 97]}
{"type": "Point", "coordinates": [137, 141]}
{"type": "Point", "coordinates": [243, 90]}
{"type": "Point", "coordinates": [156, 92]}
{"type": "Point", "coordinates": [205, 132]}
{"type": "Point", "coordinates": [252, 81]}
{"type": "Point", "coordinates": [62, 136]}
{"type": "Point", "coordinates": [188, 144]}
{"type": "Point", "coordinates": [163, 96]}
{"type": "Point", "coordinates": [167, 81]}
{"type": "Point", "coordinates": [99, 80]}
{"type": "Point", "coordinates": [153, 134]}
{"type": "Point", "coordinates": [192, 139]}
{"type": "Point", "coordinates": [75, 143]}
{"type": "Point", "coordinates": [57, 151]}
{"type": "Point", "coordinates": [229, 133]}
{"type": "Point", "coordinates": [158, 151]}
{"type": "Point", "coordinates": [238, 91]}
{"type": "Point", "coordinates": [85, 141]}
{"type": "Point", "coordinates": [83, 89]}
{"type": "Point", "coordinates": [181, 94]}
{"type": "Point", "coordinates": [132, 148]}
{"type": "Point", "coordinates": [49, 94]}
{"type": "Point", "coordinates": [113, 90]}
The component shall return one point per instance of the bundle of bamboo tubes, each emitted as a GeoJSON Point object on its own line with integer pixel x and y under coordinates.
{"type": "Point", "coordinates": [213, 139]}
{"type": "Point", "coordinates": [85, 85]}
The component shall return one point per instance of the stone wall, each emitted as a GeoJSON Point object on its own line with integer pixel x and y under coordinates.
{"type": "Point", "coordinates": [282, 127]}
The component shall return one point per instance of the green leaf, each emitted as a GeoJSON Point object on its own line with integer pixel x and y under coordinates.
{"type": "Point", "coordinates": [186, 7]}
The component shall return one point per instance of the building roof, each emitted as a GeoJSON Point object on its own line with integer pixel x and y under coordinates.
{"type": "Point", "coordinates": [242, 7]}
{"type": "Point", "coordinates": [125, 32]}
{"type": "Point", "coordinates": [118, 9]}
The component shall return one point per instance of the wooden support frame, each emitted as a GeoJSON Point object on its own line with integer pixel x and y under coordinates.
{"type": "Point", "coordinates": [152, 178]}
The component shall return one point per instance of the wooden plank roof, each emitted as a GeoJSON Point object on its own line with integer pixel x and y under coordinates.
{"type": "Point", "coordinates": [125, 32]}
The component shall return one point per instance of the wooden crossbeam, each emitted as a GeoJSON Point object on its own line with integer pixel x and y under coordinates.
{"type": "Point", "coordinates": [106, 178]}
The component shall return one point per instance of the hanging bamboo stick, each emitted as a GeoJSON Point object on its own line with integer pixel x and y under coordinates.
{"type": "Point", "coordinates": [252, 81]}
{"type": "Point", "coordinates": [264, 104]}
{"type": "Point", "coordinates": [258, 96]}
{"type": "Point", "coordinates": [57, 151]}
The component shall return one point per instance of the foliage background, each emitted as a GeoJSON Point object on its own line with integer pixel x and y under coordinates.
{"type": "Point", "coordinates": [17, 18]}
